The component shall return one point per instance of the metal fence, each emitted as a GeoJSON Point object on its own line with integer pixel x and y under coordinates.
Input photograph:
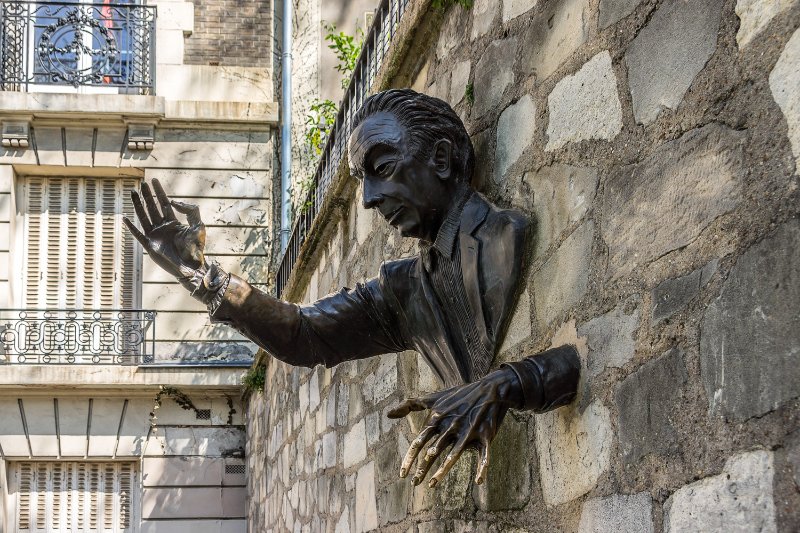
{"type": "Point", "coordinates": [77, 336]}
{"type": "Point", "coordinates": [77, 44]}
{"type": "Point", "coordinates": [376, 44]}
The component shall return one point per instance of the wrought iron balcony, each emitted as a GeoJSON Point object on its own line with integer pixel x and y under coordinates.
{"type": "Point", "coordinates": [77, 44]}
{"type": "Point", "coordinates": [77, 336]}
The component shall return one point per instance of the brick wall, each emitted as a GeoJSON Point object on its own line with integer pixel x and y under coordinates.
{"type": "Point", "coordinates": [655, 144]}
{"type": "Point", "coordinates": [231, 33]}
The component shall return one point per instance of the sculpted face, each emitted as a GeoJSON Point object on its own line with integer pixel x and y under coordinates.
{"type": "Point", "coordinates": [412, 193]}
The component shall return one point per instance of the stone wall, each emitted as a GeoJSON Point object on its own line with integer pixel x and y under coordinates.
{"type": "Point", "coordinates": [655, 143]}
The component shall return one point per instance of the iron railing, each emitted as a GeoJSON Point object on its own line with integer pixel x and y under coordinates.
{"type": "Point", "coordinates": [376, 44]}
{"type": "Point", "coordinates": [77, 44]}
{"type": "Point", "coordinates": [77, 336]}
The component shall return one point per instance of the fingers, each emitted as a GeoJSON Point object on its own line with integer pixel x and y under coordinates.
{"type": "Point", "coordinates": [449, 461]}
{"type": "Point", "coordinates": [141, 214]}
{"type": "Point", "coordinates": [163, 201]}
{"type": "Point", "coordinates": [152, 208]}
{"type": "Point", "coordinates": [191, 211]}
{"type": "Point", "coordinates": [416, 446]}
{"type": "Point", "coordinates": [138, 235]}
{"type": "Point", "coordinates": [433, 452]}
{"type": "Point", "coordinates": [483, 463]}
{"type": "Point", "coordinates": [407, 406]}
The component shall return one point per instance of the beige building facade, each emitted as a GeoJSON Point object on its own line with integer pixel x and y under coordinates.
{"type": "Point", "coordinates": [120, 403]}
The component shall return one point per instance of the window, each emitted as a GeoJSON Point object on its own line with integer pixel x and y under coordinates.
{"type": "Point", "coordinates": [55, 497]}
{"type": "Point", "coordinates": [77, 253]}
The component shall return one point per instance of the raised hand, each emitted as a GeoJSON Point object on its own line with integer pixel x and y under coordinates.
{"type": "Point", "coordinates": [175, 247]}
{"type": "Point", "coordinates": [467, 416]}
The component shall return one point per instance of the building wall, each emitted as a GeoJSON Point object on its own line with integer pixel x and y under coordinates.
{"type": "Point", "coordinates": [654, 143]}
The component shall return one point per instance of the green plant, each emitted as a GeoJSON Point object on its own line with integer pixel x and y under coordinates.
{"type": "Point", "coordinates": [255, 379]}
{"type": "Point", "coordinates": [346, 48]}
{"type": "Point", "coordinates": [469, 93]}
{"type": "Point", "coordinates": [318, 125]}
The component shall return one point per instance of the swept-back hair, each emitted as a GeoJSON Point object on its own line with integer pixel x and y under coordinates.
{"type": "Point", "coordinates": [426, 119]}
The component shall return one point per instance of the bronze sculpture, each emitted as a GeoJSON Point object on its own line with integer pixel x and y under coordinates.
{"type": "Point", "coordinates": [451, 303]}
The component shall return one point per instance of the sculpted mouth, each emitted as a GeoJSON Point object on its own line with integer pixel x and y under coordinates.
{"type": "Point", "coordinates": [390, 217]}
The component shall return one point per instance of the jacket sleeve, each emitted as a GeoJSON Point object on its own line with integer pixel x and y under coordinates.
{"type": "Point", "coordinates": [351, 324]}
{"type": "Point", "coordinates": [549, 379]}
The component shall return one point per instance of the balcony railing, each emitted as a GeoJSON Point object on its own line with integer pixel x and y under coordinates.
{"type": "Point", "coordinates": [77, 44]}
{"type": "Point", "coordinates": [77, 336]}
{"type": "Point", "coordinates": [376, 44]}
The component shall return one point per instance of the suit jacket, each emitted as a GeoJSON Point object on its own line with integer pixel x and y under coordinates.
{"type": "Point", "coordinates": [399, 311]}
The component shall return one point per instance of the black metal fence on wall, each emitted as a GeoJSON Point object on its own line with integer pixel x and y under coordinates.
{"type": "Point", "coordinates": [77, 44]}
{"type": "Point", "coordinates": [376, 44]}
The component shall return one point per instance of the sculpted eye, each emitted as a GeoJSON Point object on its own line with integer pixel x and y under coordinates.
{"type": "Point", "coordinates": [384, 169]}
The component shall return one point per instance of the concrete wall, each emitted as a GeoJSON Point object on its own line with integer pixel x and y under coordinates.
{"type": "Point", "coordinates": [655, 145]}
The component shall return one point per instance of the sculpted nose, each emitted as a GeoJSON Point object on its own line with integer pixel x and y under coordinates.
{"type": "Point", "coordinates": [372, 194]}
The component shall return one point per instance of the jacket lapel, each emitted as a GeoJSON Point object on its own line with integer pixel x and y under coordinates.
{"type": "Point", "coordinates": [472, 217]}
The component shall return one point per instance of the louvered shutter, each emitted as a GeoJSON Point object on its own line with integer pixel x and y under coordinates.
{"type": "Point", "coordinates": [55, 497]}
{"type": "Point", "coordinates": [77, 253]}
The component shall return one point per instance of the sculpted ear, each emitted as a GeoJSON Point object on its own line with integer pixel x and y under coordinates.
{"type": "Point", "coordinates": [441, 158]}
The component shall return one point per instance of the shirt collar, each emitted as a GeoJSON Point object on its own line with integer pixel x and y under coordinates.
{"type": "Point", "coordinates": [446, 237]}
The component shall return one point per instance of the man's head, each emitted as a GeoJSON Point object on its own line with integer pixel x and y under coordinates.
{"type": "Point", "coordinates": [412, 153]}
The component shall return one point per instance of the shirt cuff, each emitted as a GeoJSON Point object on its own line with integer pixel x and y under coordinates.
{"type": "Point", "coordinates": [549, 379]}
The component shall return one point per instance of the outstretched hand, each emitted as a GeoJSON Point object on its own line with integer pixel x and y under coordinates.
{"type": "Point", "coordinates": [466, 416]}
{"type": "Point", "coordinates": [175, 247]}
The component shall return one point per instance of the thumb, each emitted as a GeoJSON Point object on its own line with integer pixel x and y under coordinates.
{"type": "Point", "coordinates": [192, 212]}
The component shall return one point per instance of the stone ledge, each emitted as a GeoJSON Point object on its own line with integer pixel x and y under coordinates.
{"type": "Point", "coordinates": [126, 108]}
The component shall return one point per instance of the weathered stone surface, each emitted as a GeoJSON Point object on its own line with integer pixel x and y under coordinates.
{"type": "Point", "coordinates": [515, 131]}
{"type": "Point", "coordinates": [366, 508]}
{"type": "Point", "coordinates": [612, 11]}
{"type": "Point", "coordinates": [483, 15]}
{"type": "Point", "coordinates": [646, 401]}
{"type": "Point", "coordinates": [611, 339]}
{"type": "Point", "coordinates": [558, 29]}
{"type": "Point", "coordinates": [585, 105]}
{"type": "Point", "coordinates": [783, 82]}
{"type": "Point", "coordinates": [563, 279]}
{"type": "Point", "coordinates": [793, 455]}
{"type": "Point", "coordinates": [574, 450]}
{"type": "Point", "coordinates": [509, 455]}
{"type": "Point", "coordinates": [451, 33]}
{"type": "Point", "coordinates": [619, 513]}
{"type": "Point", "coordinates": [493, 75]}
{"type": "Point", "coordinates": [755, 15]}
{"type": "Point", "coordinates": [343, 524]}
{"type": "Point", "coordinates": [329, 450]}
{"type": "Point", "coordinates": [750, 335]}
{"type": "Point", "coordinates": [514, 8]}
{"type": "Point", "coordinates": [393, 502]}
{"type": "Point", "coordinates": [355, 445]}
{"type": "Point", "coordinates": [739, 499]}
{"type": "Point", "coordinates": [458, 82]}
{"type": "Point", "coordinates": [665, 202]}
{"type": "Point", "coordinates": [520, 327]}
{"type": "Point", "coordinates": [668, 53]}
{"type": "Point", "coordinates": [672, 295]}
{"type": "Point", "coordinates": [561, 196]}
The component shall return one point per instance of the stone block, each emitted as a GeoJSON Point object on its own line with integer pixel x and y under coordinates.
{"type": "Point", "coordinates": [666, 201]}
{"type": "Point", "coordinates": [313, 391]}
{"type": "Point", "coordinates": [172, 471]}
{"type": "Point", "coordinates": [755, 15]}
{"type": "Point", "coordinates": [585, 105]}
{"type": "Point", "coordinates": [176, 16]}
{"type": "Point", "coordinates": [193, 502]}
{"type": "Point", "coordinates": [514, 8]}
{"type": "Point", "coordinates": [792, 450]}
{"type": "Point", "coordinates": [79, 146]}
{"type": "Point", "coordinates": [214, 83]}
{"type": "Point", "coordinates": [612, 11]}
{"type": "Point", "coordinates": [493, 74]}
{"type": "Point", "coordinates": [41, 420]}
{"type": "Point", "coordinates": [354, 446]}
{"type": "Point", "coordinates": [750, 334]}
{"type": "Point", "coordinates": [672, 295]}
{"type": "Point", "coordinates": [515, 131]}
{"type": "Point", "coordinates": [668, 53]}
{"type": "Point", "coordinates": [329, 450]}
{"type": "Point", "coordinates": [451, 32]}
{"type": "Point", "coordinates": [458, 82]}
{"type": "Point", "coordinates": [169, 48]}
{"type": "Point", "coordinates": [106, 416]}
{"type": "Point", "coordinates": [483, 15]}
{"type": "Point", "coordinates": [562, 194]}
{"type": "Point", "coordinates": [555, 32]}
{"type": "Point", "coordinates": [620, 513]}
{"type": "Point", "coordinates": [109, 147]}
{"type": "Point", "coordinates": [343, 524]}
{"type": "Point", "coordinates": [508, 479]}
{"type": "Point", "coordinates": [73, 415]}
{"type": "Point", "coordinates": [647, 402]}
{"type": "Point", "coordinates": [207, 441]}
{"type": "Point", "coordinates": [574, 450]}
{"type": "Point", "coordinates": [385, 379]}
{"type": "Point", "coordinates": [520, 327]}
{"type": "Point", "coordinates": [563, 279]}
{"type": "Point", "coordinates": [393, 502]}
{"type": "Point", "coordinates": [611, 338]}
{"type": "Point", "coordinates": [194, 526]}
{"type": "Point", "coordinates": [739, 499]}
{"type": "Point", "coordinates": [12, 432]}
{"type": "Point", "coordinates": [49, 146]}
{"type": "Point", "coordinates": [365, 506]}
{"type": "Point", "coordinates": [783, 82]}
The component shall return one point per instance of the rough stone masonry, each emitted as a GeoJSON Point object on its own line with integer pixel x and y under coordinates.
{"type": "Point", "coordinates": [656, 144]}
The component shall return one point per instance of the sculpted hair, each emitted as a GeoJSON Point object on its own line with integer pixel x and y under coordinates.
{"type": "Point", "coordinates": [426, 119]}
